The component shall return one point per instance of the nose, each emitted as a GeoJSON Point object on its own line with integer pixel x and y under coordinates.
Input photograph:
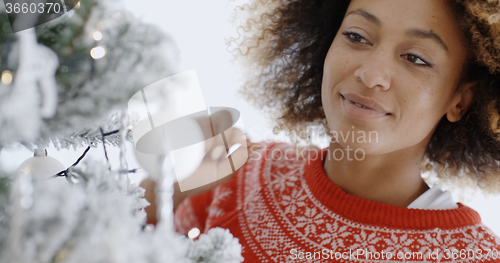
{"type": "Point", "coordinates": [374, 72]}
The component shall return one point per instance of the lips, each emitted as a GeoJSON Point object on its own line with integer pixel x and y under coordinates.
{"type": "Point", "coordinates": [364, 103]}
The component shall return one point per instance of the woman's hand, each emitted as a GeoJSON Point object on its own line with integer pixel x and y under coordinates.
{"type": "Point", "coordinates": [179, 196]}
{"type": "Point", "coordinates": [214, 166]}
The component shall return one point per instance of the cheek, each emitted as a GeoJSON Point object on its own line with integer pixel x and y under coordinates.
{"type": "Point", "coordinates": [422, 107]}
{"type": "Point", "coordinates": [424, 100]}
{"type": "Point", "coordinates": [335, 70]}
{"type": "Point", "coordinates": [327, 81]}
{"type": "Point", "coordinates": [329, 69]}
{"type": "Point", "coordinates": [336, 62]}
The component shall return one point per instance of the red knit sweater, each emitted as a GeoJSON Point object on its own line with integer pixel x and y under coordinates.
{"type": "Point", "coordinates": [283, 208]}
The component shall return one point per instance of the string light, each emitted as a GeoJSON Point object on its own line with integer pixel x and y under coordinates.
{"type": "Point", "coordinates": [194, 233]}
{"type": "Point", "coordinates": [98, 52]}
{"type": "Point", "coordinates": [130, 127]}
{"type": "Point", "coordinates": [104, 146]}
{"type": "Point", "coordinates": [97, 35]}
{"type": "Point", "coordinates": [7, 77]}
{"type": "Point", "coordinates": [65, 172]}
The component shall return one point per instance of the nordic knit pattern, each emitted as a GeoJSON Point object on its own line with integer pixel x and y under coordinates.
{"type": "Point", "coordinates": [283, 208]}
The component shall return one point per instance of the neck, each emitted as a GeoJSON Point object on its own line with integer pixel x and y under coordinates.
{"type": "Point", "coordinates": [392, 178]}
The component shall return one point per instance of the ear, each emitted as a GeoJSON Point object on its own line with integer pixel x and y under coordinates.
{"type": "Point", "coordinates": [461, 101]}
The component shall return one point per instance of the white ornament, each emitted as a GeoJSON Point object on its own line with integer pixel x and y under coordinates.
{"type": "Point", "coordinates": [40, 166]}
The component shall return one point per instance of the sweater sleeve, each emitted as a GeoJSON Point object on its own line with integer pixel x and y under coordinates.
{"type": "Point", "coordinates": [192, 212]}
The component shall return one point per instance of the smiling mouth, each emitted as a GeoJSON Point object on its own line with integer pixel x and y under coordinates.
{"type": "Point", "coordinates": [363, 106]}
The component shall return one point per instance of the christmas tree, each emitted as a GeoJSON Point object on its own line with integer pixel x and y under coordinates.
{"type": "Point", "coordinates": [66, 82]}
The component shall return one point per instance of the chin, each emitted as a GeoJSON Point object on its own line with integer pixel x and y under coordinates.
{"type": "Point", "coordinates": [351, 133]}
{"type": "Point", "coordinates": [355, 151]}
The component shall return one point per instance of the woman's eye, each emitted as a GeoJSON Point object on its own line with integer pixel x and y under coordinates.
{"type": "Point", "coordinates": [355, 37]}
{"type": "Point", "coordinates": [416, 60]}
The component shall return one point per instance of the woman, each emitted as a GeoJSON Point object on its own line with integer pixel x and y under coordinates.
{"type": "Point", "coordinates": [402, 87]}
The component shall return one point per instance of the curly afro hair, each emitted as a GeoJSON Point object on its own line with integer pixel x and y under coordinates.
{"type": "Point", "coordinates": [283, 45]}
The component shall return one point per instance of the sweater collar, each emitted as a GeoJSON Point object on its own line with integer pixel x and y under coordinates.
{"type": "Point", "coordinates": [375, 213]}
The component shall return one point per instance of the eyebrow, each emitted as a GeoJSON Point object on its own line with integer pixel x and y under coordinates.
{"type": "Point", "coordinates": [366, 15]}
{"type": "Point", "coordinates": [414, 32]}
{"type": "Point", "coordinates": [426, 34]}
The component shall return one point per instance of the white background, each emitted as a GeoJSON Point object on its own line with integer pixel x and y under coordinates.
{"type": "Point", "coordinates": [199, 29]}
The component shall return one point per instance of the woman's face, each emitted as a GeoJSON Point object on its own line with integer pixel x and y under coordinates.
{"type": "Point", "coordinates": [391, 72]}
